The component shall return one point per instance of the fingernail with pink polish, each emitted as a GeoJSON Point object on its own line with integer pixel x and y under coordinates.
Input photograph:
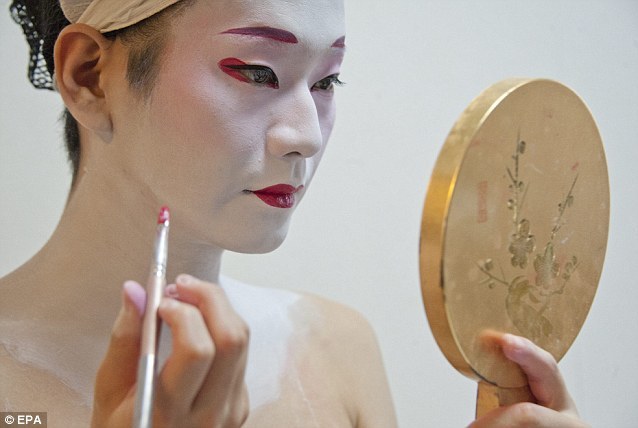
{"type": "Point", "coordinates": [185, 279]}
{"type": "Point", "coordinates": [135, 294]}
{"type": "Point", "coordinates": [171, 291]}
{"type": "Point", "coordinates": [514, 346]}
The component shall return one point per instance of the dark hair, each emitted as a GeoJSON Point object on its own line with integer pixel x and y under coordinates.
{"type": "Point", "coordinates": [43, 20]}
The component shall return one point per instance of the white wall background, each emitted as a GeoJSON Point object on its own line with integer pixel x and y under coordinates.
{"type": "Point", "coordinates": [412, 66]}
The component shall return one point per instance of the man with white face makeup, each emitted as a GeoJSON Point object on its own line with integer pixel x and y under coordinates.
{"type": "Point", "coordinates": [225, 122]}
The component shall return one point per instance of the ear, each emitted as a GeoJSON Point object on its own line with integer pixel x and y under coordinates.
{"type": "Point", "coordinates": [80, 55]}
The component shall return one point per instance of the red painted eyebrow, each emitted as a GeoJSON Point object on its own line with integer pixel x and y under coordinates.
{"type": "Point", "coordinates": [340, 42]}
{"type": "Point", "coordinates": [267, 32]}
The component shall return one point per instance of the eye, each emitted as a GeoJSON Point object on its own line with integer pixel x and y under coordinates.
{"type": "Point", "coordinates": [259, 75]}
{"type": "Point", "coordinates": [327, 83]}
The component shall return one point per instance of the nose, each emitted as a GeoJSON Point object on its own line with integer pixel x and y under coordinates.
{"type": "Point", "coordinates": [296, 127]}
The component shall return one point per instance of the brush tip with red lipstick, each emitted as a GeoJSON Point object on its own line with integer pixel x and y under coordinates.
{"type": "Point", "coordinates": [164, 215]}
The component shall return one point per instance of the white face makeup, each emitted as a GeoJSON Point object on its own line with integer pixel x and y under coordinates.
{"type": "Point", "coordinates": [243, 102]}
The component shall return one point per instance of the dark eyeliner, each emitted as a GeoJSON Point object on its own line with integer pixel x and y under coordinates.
{"type": "Point", "coordinates": [247, 73]}
{"type": "Point", "coordinates": [331, 80]}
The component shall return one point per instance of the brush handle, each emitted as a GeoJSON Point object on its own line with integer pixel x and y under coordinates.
{"type": "Point", "coordinates": [146, 371]}
{"type": "Point", "coordinates": [151, 323]}
{"type": "Point", "coordinates": [143, 417]}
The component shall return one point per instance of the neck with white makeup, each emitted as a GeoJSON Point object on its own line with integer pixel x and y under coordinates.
{"type": "Point", "coordinates": [106, 235]}
{"type": "Point", "coordinates": [69, 293]}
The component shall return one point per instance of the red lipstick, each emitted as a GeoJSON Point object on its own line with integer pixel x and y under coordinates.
{"type": "Point", "coordinates": [279, 195]}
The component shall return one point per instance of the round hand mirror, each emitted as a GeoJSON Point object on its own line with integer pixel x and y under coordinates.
{"type": "Point", "coordinates": [514, 228]}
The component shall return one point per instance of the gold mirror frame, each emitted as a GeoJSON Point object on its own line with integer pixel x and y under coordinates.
{"type": "Point", "coordinates": [514, 226]}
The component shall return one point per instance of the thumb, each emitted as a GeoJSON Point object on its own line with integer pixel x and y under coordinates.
{"type": "Point", "coordinates": [545, 380]}
{"type": "Point", "coordinates": [117, 374]}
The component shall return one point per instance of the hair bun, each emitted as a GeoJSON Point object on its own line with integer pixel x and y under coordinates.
{"type": "Point", "coordinates": [41, 22]}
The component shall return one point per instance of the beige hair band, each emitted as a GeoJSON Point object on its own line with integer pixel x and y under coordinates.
{"type": "Point", "coordinates": [109, 15]}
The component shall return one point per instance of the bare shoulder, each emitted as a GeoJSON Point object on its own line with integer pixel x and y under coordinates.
{"type": "Point", "coordinates": [25, 388]}
{"type": "Point", "coordinates": [25, 384]}
{"type": "Point", "coordinates": [313, 319]}
{"type": "Point", "coordinates": [333, 323]}
{"type": "Point", "coordinates": [345, 338]}
{"type": "Point", "coordinates": [331, 366]}
{"type": "Point", "coordinates": [341, 334]}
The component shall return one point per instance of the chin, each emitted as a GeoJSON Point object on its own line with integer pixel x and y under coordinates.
{"type": "Point", "coordinates": [259, 242]}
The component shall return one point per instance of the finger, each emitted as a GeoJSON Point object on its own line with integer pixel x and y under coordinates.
{"type": "Point", "coordinates": [116, 375]}
{"type": "Point", "coordinates": [545, 380]}
{"type": "Point", "coordinates": [191, 357]}
{"type": "Point", "coordinates": [230, 335]}
{"type": "Point", "coordinates": [527, 415]}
